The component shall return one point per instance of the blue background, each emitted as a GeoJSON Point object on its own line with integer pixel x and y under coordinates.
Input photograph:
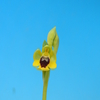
{"type": "Point", "coordinates": [24, 24]}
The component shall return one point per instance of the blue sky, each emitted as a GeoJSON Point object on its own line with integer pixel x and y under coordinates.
{"type": "Point", "coordinates": [24, 25]}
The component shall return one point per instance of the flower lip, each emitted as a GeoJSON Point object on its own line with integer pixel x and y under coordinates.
{"type": "Point", "coordinates": [44, 61]}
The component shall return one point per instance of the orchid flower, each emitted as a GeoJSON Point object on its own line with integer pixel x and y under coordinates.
{"type": "Point", "coordinates": [45, 60]}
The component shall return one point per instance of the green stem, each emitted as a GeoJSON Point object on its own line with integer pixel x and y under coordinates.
{"type": "Point", "coordinates": [45, 83]}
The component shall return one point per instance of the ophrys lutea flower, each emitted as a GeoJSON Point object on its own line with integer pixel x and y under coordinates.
{"type": "Point", "coordinates": [46, 59]}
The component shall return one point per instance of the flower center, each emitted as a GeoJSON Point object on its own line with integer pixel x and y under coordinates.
{"type": "Point", "coordinates": [44, 61]}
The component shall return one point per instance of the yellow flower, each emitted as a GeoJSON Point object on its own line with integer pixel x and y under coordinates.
{"type": "Point", "coordinates": [46, 59]}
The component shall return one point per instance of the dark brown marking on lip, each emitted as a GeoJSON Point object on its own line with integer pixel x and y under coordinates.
{"type": "Point", "coordinates": [44, 61]}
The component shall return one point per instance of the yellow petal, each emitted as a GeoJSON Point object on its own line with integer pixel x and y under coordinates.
{"type": "Point", "coordinates": [52, 65]}
{"type": "Point", "coordinates": [43, 69]}
{"type": "Point", "coordinates": [36, 63]}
